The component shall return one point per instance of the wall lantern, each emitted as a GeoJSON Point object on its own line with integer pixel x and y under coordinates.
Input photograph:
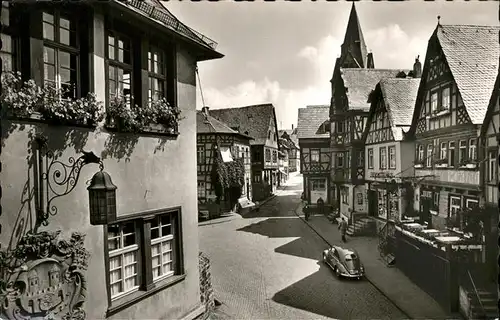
{"type": "Point", "coordinates": [56, 179]}
{"type": "Point", "coordinates": [102, 197]}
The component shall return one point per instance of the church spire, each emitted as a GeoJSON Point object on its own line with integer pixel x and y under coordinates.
{"type": "Point", "coordinates": [353, 50]}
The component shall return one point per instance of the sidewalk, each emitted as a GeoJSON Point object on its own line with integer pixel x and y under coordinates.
{"type": "Point", "coordinates": [406, 295]}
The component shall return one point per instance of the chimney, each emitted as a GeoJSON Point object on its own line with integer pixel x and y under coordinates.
{"type": "Point", "coordinates": [417, 68]}
{"type": "Point", "coordinates": [292, 126]}
{"type": "Point", "coordinates": [369, 61]}
{"type": "Point", "coordinates": [205, 110]}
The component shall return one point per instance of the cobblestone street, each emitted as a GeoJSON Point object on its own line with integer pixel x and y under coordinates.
{"type": "Point", "coordinates": [267, 265]}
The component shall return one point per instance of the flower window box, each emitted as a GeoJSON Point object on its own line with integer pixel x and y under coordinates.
{"type": "Point", "coordinates": [468, 165]}
{"type": "Point", "coordinates": [441, 163]}
{"type": "Point", "coordinates": [440, 112]}
{"type": "Point", "coordinates": [158, 117]}
{"type": "Point", "coordinates": [28, 101]}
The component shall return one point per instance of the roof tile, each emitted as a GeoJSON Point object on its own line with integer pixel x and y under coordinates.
{"type": "Point", "coordinates": [309, 121]}
{"type": "Point", "coordinates": [399, 96]}
{"type": "Point", "coordinates": [472, 55]}
{"type": "Point", "coordinates": [360, 82]}
{"type": "Point", "coordinates": [252, 119]}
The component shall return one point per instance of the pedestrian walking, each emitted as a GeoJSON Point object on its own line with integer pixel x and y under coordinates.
{"type": "Point", "coordinates": [343, 229]}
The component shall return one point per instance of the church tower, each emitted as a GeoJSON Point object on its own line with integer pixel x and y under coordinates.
{"type": "Point", "coordinates": [353, 51]}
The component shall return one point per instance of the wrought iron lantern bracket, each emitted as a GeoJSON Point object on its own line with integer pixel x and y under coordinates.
{"type": "Point", "coordinates": [56, 179]}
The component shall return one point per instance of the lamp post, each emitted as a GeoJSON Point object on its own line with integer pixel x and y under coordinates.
{"type": "Point", "coordinates": [57, 179]}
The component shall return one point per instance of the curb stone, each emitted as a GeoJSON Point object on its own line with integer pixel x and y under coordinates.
{"type": "Point", "coordinates": [366, 276]}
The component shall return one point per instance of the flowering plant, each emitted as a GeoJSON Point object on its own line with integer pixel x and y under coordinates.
{"type": "Point", "coordinates": [23, 99]}
{"type": "Point", "coordinates": [132, 118]}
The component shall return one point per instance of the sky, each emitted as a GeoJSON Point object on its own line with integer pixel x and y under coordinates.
{"type": "Point", "coordinates": [284, 52]}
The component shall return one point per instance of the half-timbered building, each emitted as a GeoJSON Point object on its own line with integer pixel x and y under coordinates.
{"type": "Point", "coordinates": [215, 136]}
{"type": "Point", "coordinates": [283, 161]}
{"type": "Point", "coordinates": [455, 90]}
{"type": "Point", "coordinates": [294, 151]}
{"type": "Point", "coordinates": [354, 77]}
{"type": "Point", "coordinates": [259, 122]}
{"type": "Point", "coordinates": [453, 97]}
{"type": "Point", "coordinates": [313, 135]}
{"type": "Point", "coordinates": [389, 156]}
{"type": "Point", "coordinates": [490, 153]}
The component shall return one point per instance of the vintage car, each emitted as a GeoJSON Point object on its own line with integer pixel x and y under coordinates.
{"type": "Point", "coordinates": [344, 262]}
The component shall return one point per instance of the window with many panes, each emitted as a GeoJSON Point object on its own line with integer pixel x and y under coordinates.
{"type": "Point", "coordinates": [275, 156]}
{"type": "Point", "coordinates": [120, 71]}
{"type": "Point", "coordinates": [201, 189]}
{"type": "Point", "coordinates": [257, 177]}
{"type": "Point", "coordinates": [435, 200]}
{"type": "Point", "coordinates": [142, 252]}
{"type": "Point", "coordinates": [340, 160]}
{"type": "Point", "coordinates": [200, 154]}
{"type": "Point", "coordinates": [428, 159]}
{"type": "Point", "coordinates": [392, 157]}
{"type": "Point", "coordinates": [60, 52]}
{"type": "Point", "coordinates": [451, 153]}
{"type": "Point", "coordinates": [359, 197]}
{"type": "Point", "coordinates": [124, 258]}
{"type": "Point", "coordinates": [268, 155]}
{"type": "Point", "coordinates": [370, 158]}
{"type": "Point", "coordinates": [455, 205]}
{"type": "Point", "coordinates": [492, 166]}
{"type": "Point", "coordinates": [472, 150]}
{"type": "Point", "coordinates": [7, 53]}
{"type": "Point", "coordinates": [157, 78]}
{"type": "Point", "coordinates": [257, 156]}
{"type": "Point", "coordinates": [462, 152]}
{"type": "Point", "coordinates": [162, 246]}
{"type": "Point", "coordinates": [445, 98]}
{"type": "Point", "coordinates": [471, 203]}
{"type": "Point", "coordinates": [434, 102]}
{"type": "Point", "coordinates": [443, 150]}
{"type": "Point", "coordinates": [361, 159]}
{"type": "Point", "coordinates": [420, 153]}
{"type": "Point", "coordinates": [383, 158]}
{"type": "Point", "coordinates": [314, 155]}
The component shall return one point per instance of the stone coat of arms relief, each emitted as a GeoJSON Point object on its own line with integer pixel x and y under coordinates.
{"type": "Point", "coordinates": [43, 277]}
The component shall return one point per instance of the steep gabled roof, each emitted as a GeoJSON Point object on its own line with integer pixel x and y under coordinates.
{"type": "Point", "coordinates": [252, 119]}
{"type": "Point", "coordinates": [492, 105]}
{"type": "Point", "coordinates": [205, 123]}
{"type": "Point", "coordinates": [292, 134]}
{"type": "Point", "coordinates": [360, 82]}
{"type": "Point", "coordinates": [310, 121]}
{"type": "Point", "coordinates": [354, 42]}
{"type": "Point", "coordinates": [399, 99]}
{"type": "Point", "coordinates": [472, 55]}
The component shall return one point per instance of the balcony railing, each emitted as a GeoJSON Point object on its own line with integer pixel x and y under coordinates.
{"type": "Point", "coordinates": [171, 22]}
